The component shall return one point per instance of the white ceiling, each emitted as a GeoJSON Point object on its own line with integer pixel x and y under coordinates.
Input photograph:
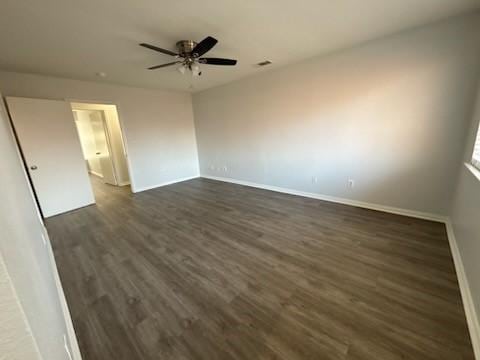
{"type": "Point", "coordinates": [79, 38]}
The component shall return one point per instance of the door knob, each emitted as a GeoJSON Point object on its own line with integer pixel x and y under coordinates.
{"type": "Point", "coordinates": [33, 167]}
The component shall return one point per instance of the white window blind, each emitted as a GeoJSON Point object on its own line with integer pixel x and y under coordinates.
{"type": "Point", "coordinates": [476, 151]}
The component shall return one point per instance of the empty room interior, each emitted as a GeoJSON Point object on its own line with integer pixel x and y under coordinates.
{"type": "Point", "coordinates": [240, 180]}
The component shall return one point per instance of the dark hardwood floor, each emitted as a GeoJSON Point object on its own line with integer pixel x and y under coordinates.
{"type": "Point", "coordinates": [209, 270]}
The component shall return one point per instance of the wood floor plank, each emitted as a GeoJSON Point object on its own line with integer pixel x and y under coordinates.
{"type": "Point", "coordinates": [210, 270]}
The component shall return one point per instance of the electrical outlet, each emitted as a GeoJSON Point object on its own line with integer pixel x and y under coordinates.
{"type": "Point", "coordinates": [314, 179]}
{"type": "Point", "coordinates": [212, 167]}
{"type": "Point", "coordinates": [351, 183]}
{"type": "Point", "coordinates": [225, 169]}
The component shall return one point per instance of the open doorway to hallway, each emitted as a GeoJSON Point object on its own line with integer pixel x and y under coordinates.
{"type": "Point", "coordinates": [61, 142]}
{"type": "Point", "coordinates": [102, 143]}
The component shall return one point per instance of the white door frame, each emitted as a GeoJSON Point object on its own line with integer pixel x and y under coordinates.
{"type": "Point", "coordinates": [109, 145]}
{"type": "Point", "coordinates": [133, 187]}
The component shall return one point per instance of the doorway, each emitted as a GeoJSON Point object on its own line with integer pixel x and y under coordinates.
{"type": "Point", "coordinates": [102, 143]}
{"type": "Point", "coordinates": [61, 142]}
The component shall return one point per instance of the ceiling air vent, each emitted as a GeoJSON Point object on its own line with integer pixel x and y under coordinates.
{"type": "Point", "coordinates": [264, 63]}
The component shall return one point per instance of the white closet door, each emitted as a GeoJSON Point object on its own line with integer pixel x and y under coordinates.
{"type": "Point", "coordinates": [51, 147]}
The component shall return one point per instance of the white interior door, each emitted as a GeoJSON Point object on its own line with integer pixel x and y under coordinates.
{"type": "Point", "coordinates": [103, 151]}
{"type": "Point", "coordinates": [52, 151]}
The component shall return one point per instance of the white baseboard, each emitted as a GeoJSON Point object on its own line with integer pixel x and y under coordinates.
{"type": "Point", "coordinates": [362, 204]}
{"type": "Point", "coordinates": [74, 349]}
{"type": "Point", "coordinates": [124, 183]}
{"type": "Point", "coordinates": [96, 174]}
{"type": "Point", "coordinates": [470, 312]}
{"type": "Point", "coordinates": [468, 305]}
{"type": "Point", "coordinates": [164, 184]}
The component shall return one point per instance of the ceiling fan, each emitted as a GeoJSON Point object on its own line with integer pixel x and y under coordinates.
{"type": "Point", "coordinates": [189, 55]}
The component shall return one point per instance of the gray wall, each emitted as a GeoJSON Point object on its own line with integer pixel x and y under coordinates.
{"type": "Point", "coordinates": [390, 114]}
{"type": "Point", "coordinates": [157, 125]}
{"type": "Point", "coordinates": [16, 341]}
{"type": "Point", "coordinates": [28, 259]}
{"type": "Point", "coordinates": [465, 214]}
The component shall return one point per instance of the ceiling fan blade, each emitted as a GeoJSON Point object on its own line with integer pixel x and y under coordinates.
{"type": "Point", "coordinates": [156, 48]}
{"type": "Point", "coordinates": [164, 65]}
{"type": "Point", "coordinates": [204, 46]}
{"type": "Point", "coordinates": [217, 61]}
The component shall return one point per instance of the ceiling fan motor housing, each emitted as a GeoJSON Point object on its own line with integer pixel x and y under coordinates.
{"type": "Point", "coordinates": [185, 47]}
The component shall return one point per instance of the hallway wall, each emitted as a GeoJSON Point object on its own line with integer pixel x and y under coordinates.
{"type": "Point", "coordinates": [116, 138]}
{"type": "Point", "coordinates": [116, 143]}
{"type": "Point", "coordinates": [87, 139]}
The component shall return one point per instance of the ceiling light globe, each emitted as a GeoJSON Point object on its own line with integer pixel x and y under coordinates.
{"type": "Point", "coordinates": [181, 69]}
{"type": "Point", "coordinates": [196, 70]}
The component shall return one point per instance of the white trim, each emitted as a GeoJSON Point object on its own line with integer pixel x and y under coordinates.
{"type": "Point", "coordinates": [136, 190]}
{"type": "Point", "coordinates": [468, 304]}
{"type": "Point", "coordinates": [475, 172]}
{"type": "Point", "coordinates": [71, 336]}
{"type": "Point", "coordinates": [95, 173]}
{"type": "Point", "coordinates": [126, 150]}
{"type": "Point", "coordinates": [356, 203]}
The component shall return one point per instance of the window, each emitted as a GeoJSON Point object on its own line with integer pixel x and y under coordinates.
{"type": "Point", "coordinates": [476, 151]}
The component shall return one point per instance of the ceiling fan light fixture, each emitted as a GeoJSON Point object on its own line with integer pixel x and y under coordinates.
{"type": "Point", "coordinates": [189, 54]}
{"type": "Point", "coordinates": [196, 70]}
{"type": "Point", "coordinates": [181, 69]}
